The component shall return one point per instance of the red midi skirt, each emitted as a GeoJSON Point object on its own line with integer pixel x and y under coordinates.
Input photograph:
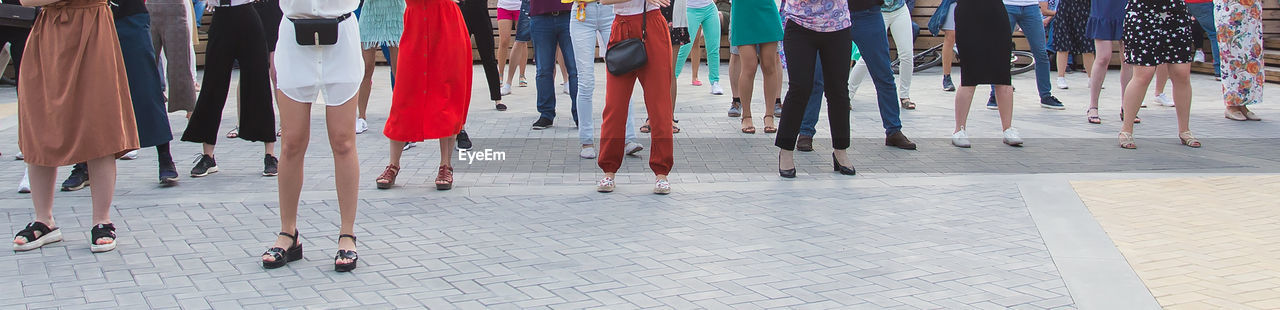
{"type": "Point", "coordinates": [433, 74]}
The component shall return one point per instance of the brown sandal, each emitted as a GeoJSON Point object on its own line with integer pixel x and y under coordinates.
{"type": "Point", "coordinates": [748, 129]}
{"type": "Point", "coordinates": [1188, 139]}
{"type": "Point", "coordinates": [770, 129]}
{"type": "Point", "coordinates": [907, 104]}
{"type": "Point", "coordinates": [445, 175]}
{"type": "Point", "coordinates": [388, 177]}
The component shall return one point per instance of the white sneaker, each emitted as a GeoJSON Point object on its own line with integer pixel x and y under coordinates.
{"type": "Point", "coordinates": [633, 148]}
{"type": "Point", "coordinates": [506, 90]}
{"type": "Point", "coordinates": [19, 156]}
{"type": "Point", "coordinates": [1164, 100]}
{"type": "Point", "coordinates": [587, 153]}
{"type": "Point", "coordinates": [960, 139]}
{"type": "Point", "coordinates": [24, 187]}
{"type": "Point", "coordinates": [1062, 83]}
{"type": "Point", "coordinates": [361, 126]}
{"type": "Point", "coordinates": [1199, 56]}
{"type": "Point", "coordinates": [662, 187]}
{"type": "Point", "coordinates": [715, 89]}
{"type": "Point", "coordinates": [564, 88]}
{"type": "Point", "coordinates": [410, 145]}
{"type": "Point", "coordinates": [605, 185]}
{"type": "Point", "coordinates": [131, 155]}
{"type": "Point", "coordinates": [1011, 137]}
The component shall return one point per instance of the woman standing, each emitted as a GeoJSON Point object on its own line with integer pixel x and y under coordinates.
{"type": "Point", "coordinates": [306, 71]}
{"type": "Point", "coordinates": [1240, 42]}
{"type": "Point", "coordinates": [1069, 36]}
{"type": "Point", "coordinates": [435, 89]}
{"type": "Point", "coordinates": [757, 43]}
{"type": "Point", "coordinates": [897, 21]}
{"type": "Point", "coordinates": [1158, 32]}
{"type": "Point", "coordinates": [1106, 28]}
{"type": "Point", "coordinates": [73, 42]}
{"type": "Point", "coordinates": [816, 30]}
{"type": "Point", "coordinates": [983, 37]}
{"type": "Point", "coordinates": [381, 23]}
{"type": "Point", "coordinates": [636, 19]}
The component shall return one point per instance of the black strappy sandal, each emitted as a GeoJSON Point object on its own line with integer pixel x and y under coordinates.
{"type": "Point", "coordinates": [281, 256]}
{"type": "Point", "coordinates": [100, 231]}
{"type": "Point", "coordinates": [47, 235]}
{"type": "Point", "coordinates": [347, 254]}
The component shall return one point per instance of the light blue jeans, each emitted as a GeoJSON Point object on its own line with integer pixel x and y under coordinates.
{"type": "Point", "coordinates": [1032, 23]}
{"type": "Point", "coordinates": [1204, 16]}
{"type": "Point", "coordinates": [594, 29]}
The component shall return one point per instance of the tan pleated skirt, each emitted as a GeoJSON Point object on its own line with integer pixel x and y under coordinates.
{"type": "Point", "coordinates": [73, 95]}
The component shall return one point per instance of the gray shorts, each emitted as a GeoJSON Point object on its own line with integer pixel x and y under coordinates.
{"type": "Point", "coordinates": [733, 49]}
{"type": "Point", "coordinates": [950, 24]}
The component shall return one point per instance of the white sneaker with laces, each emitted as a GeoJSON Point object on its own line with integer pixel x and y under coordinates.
{"type": "Point", "coordinates": [506, 90]}
{"type": "Point", "coordinates": [361, 126]}
{"type": "Point", "coordinates": [1164, 100]}
{"type": "Point", "coordinates": [1011, 137]}
{"type": "Point", "coordinates": [633, 148]}
{"type": "Point", "coordinates": [24, 187]}
{"type": "Point", "coordinates": [1062, 83]}
{"type": "Point", "coordinates": [588, 152]}
{"type": "Point", "coordinates": [131, 155]}
{"type": "Point", "coordinates": [410, 145]}
{"type": "Point", "coordinates": [1199, 56]}
{"type": "Point", "coordinates": [715, 89]}
{"type": "Point", "coordinates": [960, 139]}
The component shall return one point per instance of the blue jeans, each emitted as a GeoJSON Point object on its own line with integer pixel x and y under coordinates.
{"type": "Point", "coordinates": [811, 110]}
{"type": "Point", "coordinates": [549, 32]}
{"type": "Point", "coordinates": [1032, 23]}
{"type": "Point", "coordinates": [1203, 13]}
{"type": "Point", "coordinates": [198, 7]}
{"type": "Point", "coordinates": [873, 43]}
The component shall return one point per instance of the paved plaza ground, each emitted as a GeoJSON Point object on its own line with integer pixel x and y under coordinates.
{"type": "Point", "coordinates": [1069, 221]}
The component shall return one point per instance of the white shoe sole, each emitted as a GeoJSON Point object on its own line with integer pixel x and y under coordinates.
{"type": "Point", "coordinates": [637, 150]}
{"type": "Point", "coordinates": [211, 170]}
{"type": "Point", "coordinates": [99, 248]}
{"type": "Point", "coordinates": [961, 145]}
{"type": "Point", "coordinates": [52, 237]}
{"type": "Point", "coordinates": [1012, 143]}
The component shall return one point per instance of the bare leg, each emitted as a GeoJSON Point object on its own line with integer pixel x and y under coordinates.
{"type": "Point", "coordinates": [771, 66]}
{"type": "Point", "coordinates": [735, 69]}
{"type": "Point", "coordinates": [346, 165]}
{"type": "Point", "coordinates": [397, 148]}
{"type": "Point", "coordinates": [1004, 103]}
{"type": "Point", "coordinates": [695, 55]}
{"type": "Point", "coordinates": [447, 146]}
{"type": "Point", "coordinates": [43, 183]}
{"type": "Point", "coordinates": [1162, 78]}
{"type": "Point", "coordinates": [964, 99]}
{"type": "Point", "coordinates": [748, 61]}
{"type": "Point", "coordinates": [504, 44]}
{"type": "Point", "coordinates": [103, 190]}
{"type": "Point", "coordinates": [1088, 59]}
{"type": "Point", "coordinates": [1181, 76]}
{"type": "Point", "coordinates": [1100, 65]}
{"type": "Point", "coordinates": [948, 54]}
{"type": "Point", "coordinates": [1062, 65]}
{"type": "Point", "coordinates": [1135, 93]}
{"type": "Point", "coordinates": [366, 86]}
{"type": "Point", "coordinates": [295, 119]}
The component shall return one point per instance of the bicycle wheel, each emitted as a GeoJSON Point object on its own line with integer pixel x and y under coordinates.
{"type": "Point", "coordinates": [928, 59]}
{"type": "Point", "coordinates": [1021, 61]}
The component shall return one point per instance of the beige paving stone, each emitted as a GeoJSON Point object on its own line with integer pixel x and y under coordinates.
{"type": "Point", "coordinates": [1197, 243]}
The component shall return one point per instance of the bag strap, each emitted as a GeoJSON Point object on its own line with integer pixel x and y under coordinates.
{"type": "Point", "coordinates": [644, 22]}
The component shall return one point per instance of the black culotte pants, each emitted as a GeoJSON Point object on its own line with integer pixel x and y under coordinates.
{"type": "Point", "coordinates": [236, 35]}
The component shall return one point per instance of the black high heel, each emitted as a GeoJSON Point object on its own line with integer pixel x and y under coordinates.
{"type": "Point", "coordinates": [789, 173]}
{"type": "Point", "coordinates": [347, 254]}
{"type": "Point", "coordinates": [283, 256]}
{"type": "Point", "coordinates": [842, 169]}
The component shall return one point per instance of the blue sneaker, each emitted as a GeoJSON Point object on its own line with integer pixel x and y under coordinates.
{"type": "Point", "coordinates": [78, 180]}
{"type": "Point", "coordinates": [1051, 102]}
{"type": "Point", "coordinates": [991, 102]}
{"type": "Point", "coordinates": [946, 83]}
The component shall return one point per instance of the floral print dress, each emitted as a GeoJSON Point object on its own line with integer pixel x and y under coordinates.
{"type": "Point", "coordinates": [1239, 25]}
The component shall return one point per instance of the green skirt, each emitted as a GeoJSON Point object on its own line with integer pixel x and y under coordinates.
{"type": "Point", "coordinates": [381, 22]}
{"type": "Point", "coordinates": [754, 22]}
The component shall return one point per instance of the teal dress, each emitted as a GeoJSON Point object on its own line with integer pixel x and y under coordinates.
{"type": "Point", "coordinates": [754, 22]}
{"type": "Point", "coordinates": [381, 23]}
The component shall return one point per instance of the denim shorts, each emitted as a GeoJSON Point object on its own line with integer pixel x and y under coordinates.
{"type": "Point", "coordinates": [522, 24]}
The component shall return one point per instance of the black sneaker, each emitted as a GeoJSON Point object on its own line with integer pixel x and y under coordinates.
{"type": "Point", "coordinates": [542, 123]}
{"type": "Point", "coordinates": [168, 174]}
{"type": "Point", "coordinates": [204, 166]}
{"type": "Point", "coordinates": [947, 85]}
{"type": "Point", "coordinates": [79, 178]}
{"type": "Point", "coordinates": [991, 102]}
{"type": "Point", "coordinates": [464, 142]}
{"type": "Point", "coordinates": [270, 166]}
{"type": "Point", "coordinates": [1051, 102]}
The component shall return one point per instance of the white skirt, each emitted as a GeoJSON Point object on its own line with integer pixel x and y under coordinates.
{"type": "Point", "coordinates": [303, 72]}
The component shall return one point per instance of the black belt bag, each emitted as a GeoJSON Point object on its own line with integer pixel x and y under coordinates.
{"type": "Point", "coordinates": [317, 31]}
{"type": "Point", "coordinates": [628, 55]}
{"type": "Point", "coordinates": [18, 16]}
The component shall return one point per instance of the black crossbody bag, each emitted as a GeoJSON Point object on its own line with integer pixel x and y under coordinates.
{"type": "Point", "coordinates": [18, 16]}
{"type": "Point", "coordinates": [628, 55]}
{"type": "Point", "coordinates": [317, 31]}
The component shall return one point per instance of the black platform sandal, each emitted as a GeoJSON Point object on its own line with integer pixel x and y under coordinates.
{"type": "Point", "coordinates": [100, 231]}
{"type": "Point", "coordinates": [281, 256]}
{"type": "Point", "coordinates": [37, 234]}
{"type": "Point", "coordinates": [347, 254]}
